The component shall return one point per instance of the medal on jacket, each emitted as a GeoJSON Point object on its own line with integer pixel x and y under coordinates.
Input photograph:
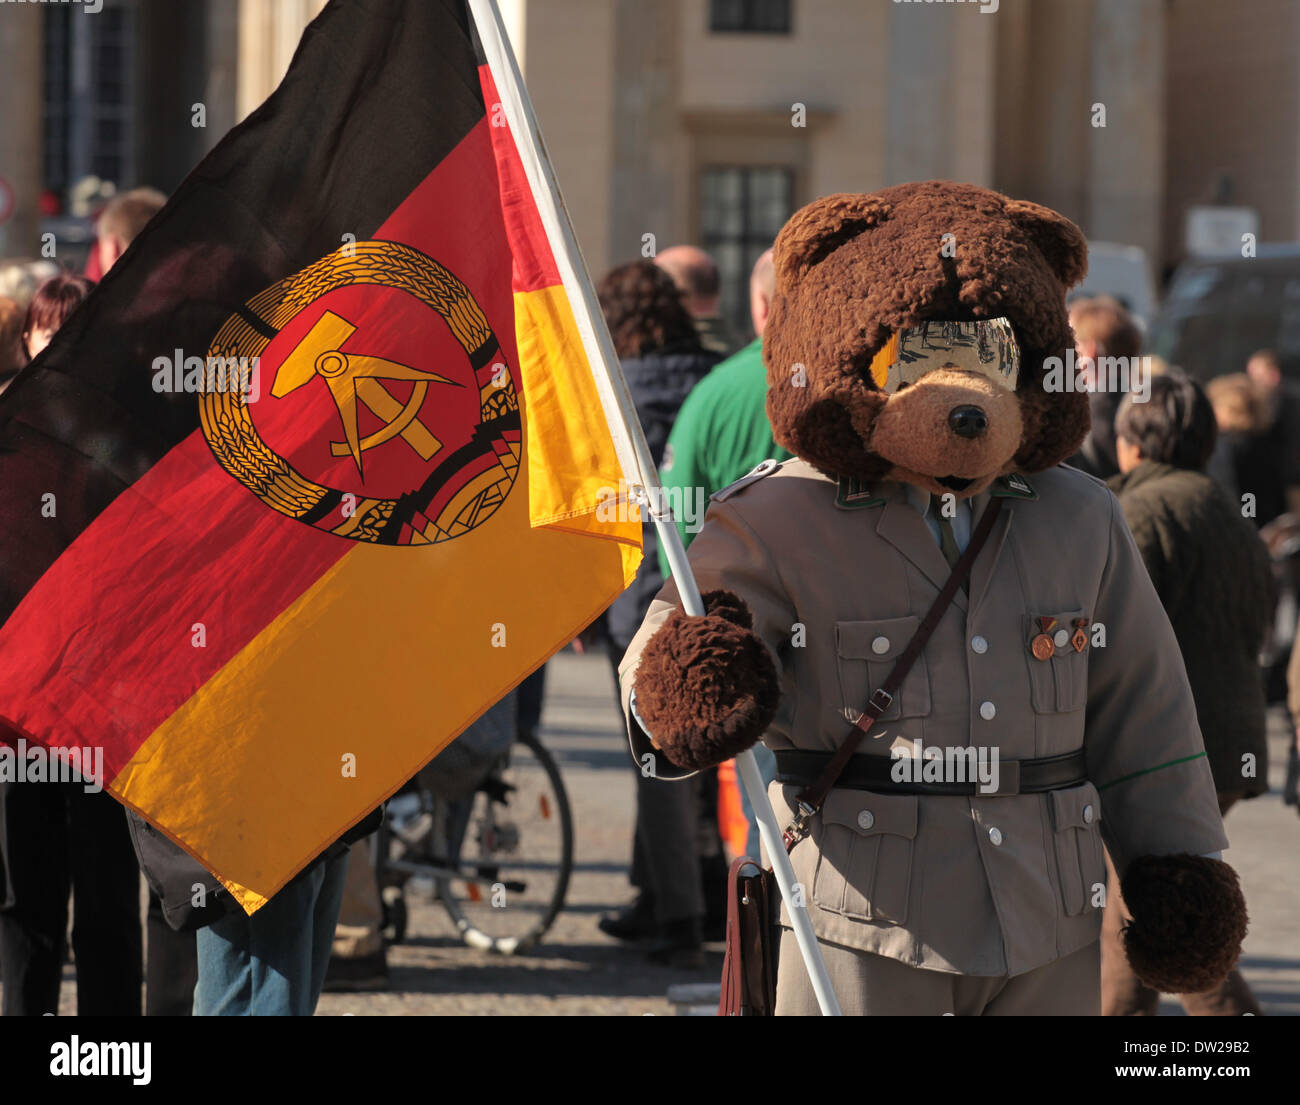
{"type": "Point", "coordinates": [1042, 646]}
{"type": "Point", "coordinates": [1080, 638]}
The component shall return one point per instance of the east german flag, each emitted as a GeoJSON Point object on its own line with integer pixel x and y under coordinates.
{"type": "Point", "coordinates": [316, 474]}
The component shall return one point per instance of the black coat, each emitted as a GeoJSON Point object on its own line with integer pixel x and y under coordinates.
{"type": "Point", "coordinates": [659, 383]}
{"type": "Point", "coordinates": [1212, 573]}
{"type": "Point", "coordinates": [1097, 454]}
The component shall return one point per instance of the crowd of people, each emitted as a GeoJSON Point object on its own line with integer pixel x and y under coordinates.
{"type": "Point", "coordinates": [1208, 478]}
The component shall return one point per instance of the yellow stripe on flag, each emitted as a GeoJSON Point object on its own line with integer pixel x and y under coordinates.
{"type": "Point", "coordinates": [568, 473]}
{"type": "Point", "coordinates": [387, 657]}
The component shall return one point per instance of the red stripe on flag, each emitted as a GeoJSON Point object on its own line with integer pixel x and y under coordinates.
{"type": "Point", "coordinates": [534, 262]}
{"type": "Point", "coordinates": [153, 598]}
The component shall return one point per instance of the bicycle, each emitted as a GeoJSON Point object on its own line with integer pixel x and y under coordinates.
{"type": "Point", "coordinates": [503, 891]}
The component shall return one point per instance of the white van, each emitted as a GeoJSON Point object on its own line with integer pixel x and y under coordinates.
{"type": "Point", "coordinates": [1122, 272]}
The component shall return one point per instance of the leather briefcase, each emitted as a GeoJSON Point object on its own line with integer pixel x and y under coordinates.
{"type": "Point", "coordinates": [749, 968]}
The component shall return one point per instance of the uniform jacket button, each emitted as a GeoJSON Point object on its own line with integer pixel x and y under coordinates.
{"type": "Point", "coordinates": [866, 819]}
{"type": "Point", "coordinates": [979, 645]}
{"type": "Point", "coordinates": [1062, 638]}
{"type": "Point", "coordinates": [1088, 815]}
{"type": "Point", "coordinates": [995, 835]}
{"type": "Point", "coordinates": [880, 646]}
{"type": "Point", "coordinates": [988, 711]}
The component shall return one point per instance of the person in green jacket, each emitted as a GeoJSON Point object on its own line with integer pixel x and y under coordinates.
{"type": "Point", "coordinates": [721, 433]}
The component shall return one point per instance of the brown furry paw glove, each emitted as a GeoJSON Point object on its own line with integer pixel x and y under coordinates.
{"type": "Point", "coordinates": [1189, 918]}
{"type": "Point", "coordinates": [706, 688]}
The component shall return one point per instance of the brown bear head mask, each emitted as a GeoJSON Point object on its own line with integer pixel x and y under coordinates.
{"type": "Point", "coordinates": [855, 274]}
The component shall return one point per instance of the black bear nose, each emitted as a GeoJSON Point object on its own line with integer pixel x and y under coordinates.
{"type": "Point", "coordinates": [968, 421]}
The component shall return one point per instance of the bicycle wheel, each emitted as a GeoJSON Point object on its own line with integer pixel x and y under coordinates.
{"type": "Point", "coordinates": [405, 818]}
{"type": "Point", "coordinates": [515, 855]}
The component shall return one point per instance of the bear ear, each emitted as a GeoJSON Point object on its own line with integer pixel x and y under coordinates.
{"type": "Point", "coordinates": [1058, 239]}
{"type": "Point", "coordinates": [819, 229]}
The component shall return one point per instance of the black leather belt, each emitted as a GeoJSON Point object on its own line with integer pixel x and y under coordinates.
{"type": "Point", "coordinates": [874, 773]}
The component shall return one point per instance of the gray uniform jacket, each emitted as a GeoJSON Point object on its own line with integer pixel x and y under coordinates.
{"type": "Point", "coordinates": [838, 577]}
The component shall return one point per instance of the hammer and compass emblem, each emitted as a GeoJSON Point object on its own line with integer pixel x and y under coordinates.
{"type": "Point", "coordinates": [442, 489]}
{"type": "Point", "coordinates": [354, 380]}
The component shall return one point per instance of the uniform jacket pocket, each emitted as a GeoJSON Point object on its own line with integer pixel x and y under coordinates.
{"type": "Point", "coordinates": [1058, 672]}
{"type": "Point", "coordinates": [864, 869]}
{"type": "Point", "coordinates": [1080, 859]}
{"type": "Point", "coordinates": [868, 652]}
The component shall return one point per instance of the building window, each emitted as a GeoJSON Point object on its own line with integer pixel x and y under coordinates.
{"type": "Point", "coordinates": [765, 16]}
{"type": "Point", "coordinates": [741, 210]}
{"type": "Point", "coordinates": [88, 94]}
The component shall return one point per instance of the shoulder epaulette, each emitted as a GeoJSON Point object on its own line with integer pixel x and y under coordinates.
{"type": "Point", "coordinates": [757, 473]}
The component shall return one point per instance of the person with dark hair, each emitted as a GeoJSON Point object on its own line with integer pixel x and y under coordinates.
{"type": "Point", "coordinates": [171, 967]}
{"type": "Point", "coordinates": [61, 836]}
{"type": "Point", "coordinates": [645, 314]}
{"type": "Point", "coordinates": [49, 309]}
{"type": "Point", "coordinates": [662, 359]}
{"type": "Point", "coordinates": [1278, 442]}
{"type": "Point", "coordinates": [1243, 461]}
{"type": "Point", "coordinates": [1175, 427]}
{"type": "Point", "coordinates": [721, 433]}
{"type": "Point", "coordinates": [1105, 338]}
{"type": "Point", "coordinates": [1212, 574]}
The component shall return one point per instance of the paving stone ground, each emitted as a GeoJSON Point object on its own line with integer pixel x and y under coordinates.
{"type": "Point", "coordinates": [578, 970]}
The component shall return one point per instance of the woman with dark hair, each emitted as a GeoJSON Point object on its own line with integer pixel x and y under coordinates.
{"type": "Point", "coordinates": [1212, 574]}
{"type": "Point", "coordinates": [644, 310]}
{"type": "Point", "coordinates": [61, 836]}
{"type": "Point", "coordinates": [49, 309]}
{"type": "Point", "coordinates": [657, 344]}
{"type": "Point", "coordinates": [662, 359]}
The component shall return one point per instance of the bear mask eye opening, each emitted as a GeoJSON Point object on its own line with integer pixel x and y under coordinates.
{"type": "Point", "coordinates": [984, 346]}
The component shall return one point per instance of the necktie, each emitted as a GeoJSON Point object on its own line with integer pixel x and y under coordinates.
{"type": "Point", "coordinates": [947, 539]}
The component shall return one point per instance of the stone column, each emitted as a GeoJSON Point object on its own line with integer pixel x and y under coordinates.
{"type": "Point", "coordinates": [219, 90]}
{"type": "Point", "coordinates": [570, 53]}
{"type": "Point", "coordinates": [171, 53]}
{"type": "Point", "coordinates": [644, 127]}
{"type": "Point", "coordinates": [21, 127]}
{"type": "Point", "coordinates": [941, 93]}
{"type": "Point", "coordinates": [269, 31]}
{"type": "Point", "coordinates": [1126, 156]}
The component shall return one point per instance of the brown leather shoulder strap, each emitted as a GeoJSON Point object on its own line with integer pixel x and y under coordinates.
{"type": "Point", "coordinates": [811, 799]}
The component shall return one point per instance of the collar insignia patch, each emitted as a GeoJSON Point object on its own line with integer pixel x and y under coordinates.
{"type": "Point", "coordinates": [1014, 486]}
{"type": "Point", "coordinates": [854, 494]}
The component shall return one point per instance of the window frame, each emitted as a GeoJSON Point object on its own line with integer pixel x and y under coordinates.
{"type": "Point", "coordinates": [747, 22]}
{"type": "Point", "coordinates": [734, 301]}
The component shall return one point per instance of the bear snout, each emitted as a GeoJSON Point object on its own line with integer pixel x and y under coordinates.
{"type": "Point", "coordinates": [968, 421]}
{"type": "Point", "coordinates": [949, 428]}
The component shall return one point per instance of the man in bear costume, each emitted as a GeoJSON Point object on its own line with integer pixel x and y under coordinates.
{"type": "Point", "coordinates": [1056, 657]}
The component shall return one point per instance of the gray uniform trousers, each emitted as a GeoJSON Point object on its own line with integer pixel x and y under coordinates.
{"type": "Point", "coordinates": [870, 985]}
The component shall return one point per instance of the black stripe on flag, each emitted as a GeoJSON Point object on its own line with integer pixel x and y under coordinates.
{"type": "Point", "coordinates": [378, 93]}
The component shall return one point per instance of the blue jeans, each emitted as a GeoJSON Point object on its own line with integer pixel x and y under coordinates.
{"type": "Point", "coordinates": [272, 964]}
{"type": "Point", "coordinates": [767, 769]}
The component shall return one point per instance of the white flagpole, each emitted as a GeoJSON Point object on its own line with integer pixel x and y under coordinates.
{"type": "Point", "coordinates": [629, 439]}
